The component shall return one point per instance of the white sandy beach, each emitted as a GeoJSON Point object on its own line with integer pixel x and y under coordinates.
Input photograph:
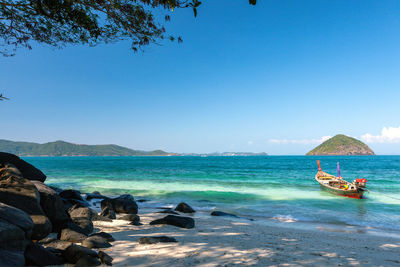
{"type": "Point", "coordinates": [221, 241]}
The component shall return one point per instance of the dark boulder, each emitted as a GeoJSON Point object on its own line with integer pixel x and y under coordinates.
{"type": "Point", "coordinates": [107, 236]}
{"type": "Point", "coordinates": [74, 252]}
{"type": "Point", "coordinates": [17, 217]}
{"type": "Point", "coordinates": [12, 237]}
{"type": "Point", "coordinates": [71, 194]}
{"type": "Point", "coordinates": [178, 221]}
{"type": "Point", "coordinates": [71, 236]}
{"type": "Point", "coordinates": [97, 217]}
{"type": "Point", "coordinates": [131, 217]}
{"type": "Point", "coordinates": [85, 225]}
{"type": "Point", "coordinates": [108, 212]}
{"type": "Point", "coordinates": [122, 204]}
{"type": "Point", "coordinates": [221, 213]}
{"type": "Point", "coordinates": [88, 261]}
{"type": "Point", "coordinates": [12, 244]}
{"type": "Point", "coordinates": [52, 206]}
{"type": "Point", "coordinates": [105, 258]}
{"type": "Point", "coordinates": [21, 193]}
{"type": "Point", "coordinates": [27, 170]}
{"type": "Point", "coordinates": [12, 258]}
{"type": "Point", "coordinates": [95, 195]}
{"type": "Point", "coordinates": [156, 239]}
{"type": "Point", "coordinates": [96, 241]}
{"type": "Point", "coordinates": [54, 243]}
{"type": "Point", "coordinates": [37, 255]}
{"type": "Point", "coordinates": [185, 208]}
{"type": "Point", "coordinates": [78, 211]}
{"type": "Point", "coordinates": [15, 230]}
{"type": "Point", "coordinates": [73, 197]}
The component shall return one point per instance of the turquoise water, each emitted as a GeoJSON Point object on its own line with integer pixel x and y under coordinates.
{"type": "Point", "coordinates": [270, 188]}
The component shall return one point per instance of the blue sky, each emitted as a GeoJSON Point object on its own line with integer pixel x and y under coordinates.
{"type": "Point", "coordinates": [276, 77]}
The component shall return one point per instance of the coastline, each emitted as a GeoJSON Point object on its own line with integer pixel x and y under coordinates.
{"type": "Point", "coordinates": [222, 241]}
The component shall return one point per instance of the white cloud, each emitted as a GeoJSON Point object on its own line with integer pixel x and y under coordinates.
{"type": "Point", "coordinates": [388, 135]}
{"type": "Point", "coordinates": [299, 141]}
{"type": "Point", "coordinates": [250, 143]}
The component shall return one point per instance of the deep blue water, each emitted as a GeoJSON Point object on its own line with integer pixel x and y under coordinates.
{"type": "Point", "coordinates": [281, 187]}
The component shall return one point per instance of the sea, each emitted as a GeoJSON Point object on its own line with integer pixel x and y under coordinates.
{"type": "Point", "coordinates": [265, 189]}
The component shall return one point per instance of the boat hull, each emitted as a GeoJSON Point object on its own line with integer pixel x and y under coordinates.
{"type": "Point", "coordinates": [358, 194]}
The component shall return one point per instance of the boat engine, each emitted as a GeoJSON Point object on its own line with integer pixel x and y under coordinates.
{"type": "Point", "coordinates": [361, 182]}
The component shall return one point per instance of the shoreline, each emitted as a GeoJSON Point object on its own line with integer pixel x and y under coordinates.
{"type": "Point", "coordinates": [222, 241]}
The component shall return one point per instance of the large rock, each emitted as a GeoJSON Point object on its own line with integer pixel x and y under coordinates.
{"type": "Point", "coordinates": [17, 217]}
{"type": "Point", "coordinates": [77, 211]}
{"type": "Point", "coordinates": [178, 221]}
{"type": "Point", "coordinates": [185, 208]}
{"type": "Point", "coordinates": [88, 261]}
{"type": "Point", "coordinates": [122, 204]}
{"type": "Point", "coordinates": [96, 241]}
{"type": "Point", "coordinates": [105, 258]}
{"type": "Point", "coordinates": [37, 255]}
{"type": "Point", "coordinates": [73, 197]}
{"type": "Point", "coordinates": [95, 195]}
{"type": "Point", "coordinates": [105, 235]}
{"type": "Point", "coordinates": [21, 193]}
{"type": "Point", "coordinates": [85, 224]}
{"type": "Point", "coordinates": [12, 258]}
{"type": "Point", "coordinates": [134, 218]}
{"type": "Point", "coordinates": [12, 244]}
{"type": "Point", "coordinates": [108, 212]}
{"type": "Point", "coordinates": [71, 236]}
{"type": "Point", "coordinates": [15, 230]}
{"type": "Point", "coordinates": [52, 206]}
{"type": "Point", "coordinates": [55, 243]}
{"type": "Point", "coordinates": [74, 252]}
{"type": "Point", "coordinates": [27, 170]}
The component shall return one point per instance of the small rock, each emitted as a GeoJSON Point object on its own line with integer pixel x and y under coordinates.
{"type": "Point", "coordinates": [178, 221]}
{"type": "Point", "coordinates": [85, 224]}
{"type": "Point", "coordinates": [88, 261]}
{"type": "Point", "coordinates": [108, 212]}
{"type": "Point", "coordinates": [185, 208]}
{"type": "Point", "coordinates": [96, 242]}
{"type": "Point", "coordinates": [122, 204]}
{"type": "Point", "coordinates": [37, 255]}
{"type": "Point", "coordinates": [105, 258]}
{"type": "Point", "coordinates": [74, 252]}
{"type": "Point", "coordinates": [71, 236]}
{"type": "Point", "coordinates": [156, 239]}
{"type": "Point", "coordinates": [105, 235]}
{"type": "Point", "coordinates": [131, 217]}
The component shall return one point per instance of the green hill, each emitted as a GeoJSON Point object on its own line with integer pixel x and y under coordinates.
{"type": "Point", "coordinates": [61, 148]}
{"type": "Point", "coordinates": [342, 145]}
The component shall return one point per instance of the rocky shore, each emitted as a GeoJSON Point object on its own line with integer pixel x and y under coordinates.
{"type": "Point", "coordinates": [46, 226]}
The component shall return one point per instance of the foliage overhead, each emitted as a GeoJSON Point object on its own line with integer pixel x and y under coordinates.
{"type": "Point", "coordinates": [60, 22]}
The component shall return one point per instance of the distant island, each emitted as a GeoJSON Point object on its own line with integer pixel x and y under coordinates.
{"type": "Point", "coordinates": [225, 154]}
{"type": "Point", "coordinates": [342, 145]}
{"type": "Point", "coordinates": [61, 148]}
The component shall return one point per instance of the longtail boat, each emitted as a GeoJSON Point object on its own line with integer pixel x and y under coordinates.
{"type": "Point", "coordinates": [338, 186]}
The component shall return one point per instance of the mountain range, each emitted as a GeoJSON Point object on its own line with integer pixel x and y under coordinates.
{"type": "Point", "coordinates": [62, 148]}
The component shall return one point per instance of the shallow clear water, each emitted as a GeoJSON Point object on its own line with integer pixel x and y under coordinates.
{"type": "Point", "coordinates": [272, 187]}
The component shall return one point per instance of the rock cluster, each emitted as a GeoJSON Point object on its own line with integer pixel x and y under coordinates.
{"type": "Point", "coordinates": [31, 210]}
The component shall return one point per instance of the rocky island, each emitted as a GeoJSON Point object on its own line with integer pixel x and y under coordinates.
{"type": "Point", "coordinates": [342, 145]}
